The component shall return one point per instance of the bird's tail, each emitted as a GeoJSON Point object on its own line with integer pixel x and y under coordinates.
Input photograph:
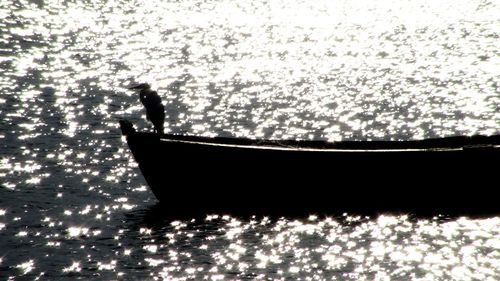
{"type": "Point", "coordinates": [159, 128]}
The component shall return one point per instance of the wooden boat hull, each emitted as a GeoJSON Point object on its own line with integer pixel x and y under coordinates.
{"type": "Point", "coordinates": [193, 175]}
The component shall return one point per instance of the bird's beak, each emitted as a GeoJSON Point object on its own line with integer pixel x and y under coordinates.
{"type": "Point", "coordinates": [140, 86]}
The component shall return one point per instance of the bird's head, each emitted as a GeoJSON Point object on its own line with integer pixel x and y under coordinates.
{"type": "Point", "coordinates": [142, 86]}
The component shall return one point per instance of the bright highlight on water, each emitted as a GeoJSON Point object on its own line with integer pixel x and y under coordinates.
{"type": "Point", "coordinates": [277, 69]}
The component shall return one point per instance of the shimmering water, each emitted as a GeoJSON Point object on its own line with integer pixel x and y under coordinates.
{"type": "Point", "coordinates": [74, 205]}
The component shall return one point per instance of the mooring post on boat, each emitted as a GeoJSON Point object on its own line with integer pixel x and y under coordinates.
{"type": "Point", "coordinates": [126, 127]}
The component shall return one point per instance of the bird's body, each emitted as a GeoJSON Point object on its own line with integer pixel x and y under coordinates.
{"type": "Point", "coordinates": [155, 110]}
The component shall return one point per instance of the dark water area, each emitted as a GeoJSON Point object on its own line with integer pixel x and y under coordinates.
{"type": "Point", "coordinates": [74, 205]}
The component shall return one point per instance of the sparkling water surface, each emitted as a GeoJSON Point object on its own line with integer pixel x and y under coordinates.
{"type": "Point", "coordinates": [73, 204]}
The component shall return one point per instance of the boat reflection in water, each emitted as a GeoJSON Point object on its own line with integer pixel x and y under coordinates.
{"type": "Point", "coordinates": [199, 175]}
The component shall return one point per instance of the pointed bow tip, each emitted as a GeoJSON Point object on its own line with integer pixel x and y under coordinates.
{"type": "Point", "coordinates": [126, 127]}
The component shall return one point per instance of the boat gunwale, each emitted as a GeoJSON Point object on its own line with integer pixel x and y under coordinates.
{"type": "Point", "coordinates": [308, 149]}
{"type": "Point", "coordinates": [450, 144]}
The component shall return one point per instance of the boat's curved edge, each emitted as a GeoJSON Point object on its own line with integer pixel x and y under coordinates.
{"type": "Point", "coordinates": [163, 210]}
{"type": "Point", "coordinates": [452, 142]}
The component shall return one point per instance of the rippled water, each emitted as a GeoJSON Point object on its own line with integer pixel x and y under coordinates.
{"type": "Point", "coordinates": [74, 205]}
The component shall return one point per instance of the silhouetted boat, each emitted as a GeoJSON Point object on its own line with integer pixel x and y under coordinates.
{"type": "Point", "coordinates": [191, 174]}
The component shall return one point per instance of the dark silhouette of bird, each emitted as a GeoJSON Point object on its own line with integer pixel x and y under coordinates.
{"type": "Point", "coordinates": [155, 110]}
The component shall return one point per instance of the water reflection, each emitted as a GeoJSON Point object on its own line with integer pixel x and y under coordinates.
{"type": "Point", "coordinates": [151, 244]}
{"type": "Point", "coordinates": [336, 70]}
{"type": "Point", "coordinates": [355, 248]}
